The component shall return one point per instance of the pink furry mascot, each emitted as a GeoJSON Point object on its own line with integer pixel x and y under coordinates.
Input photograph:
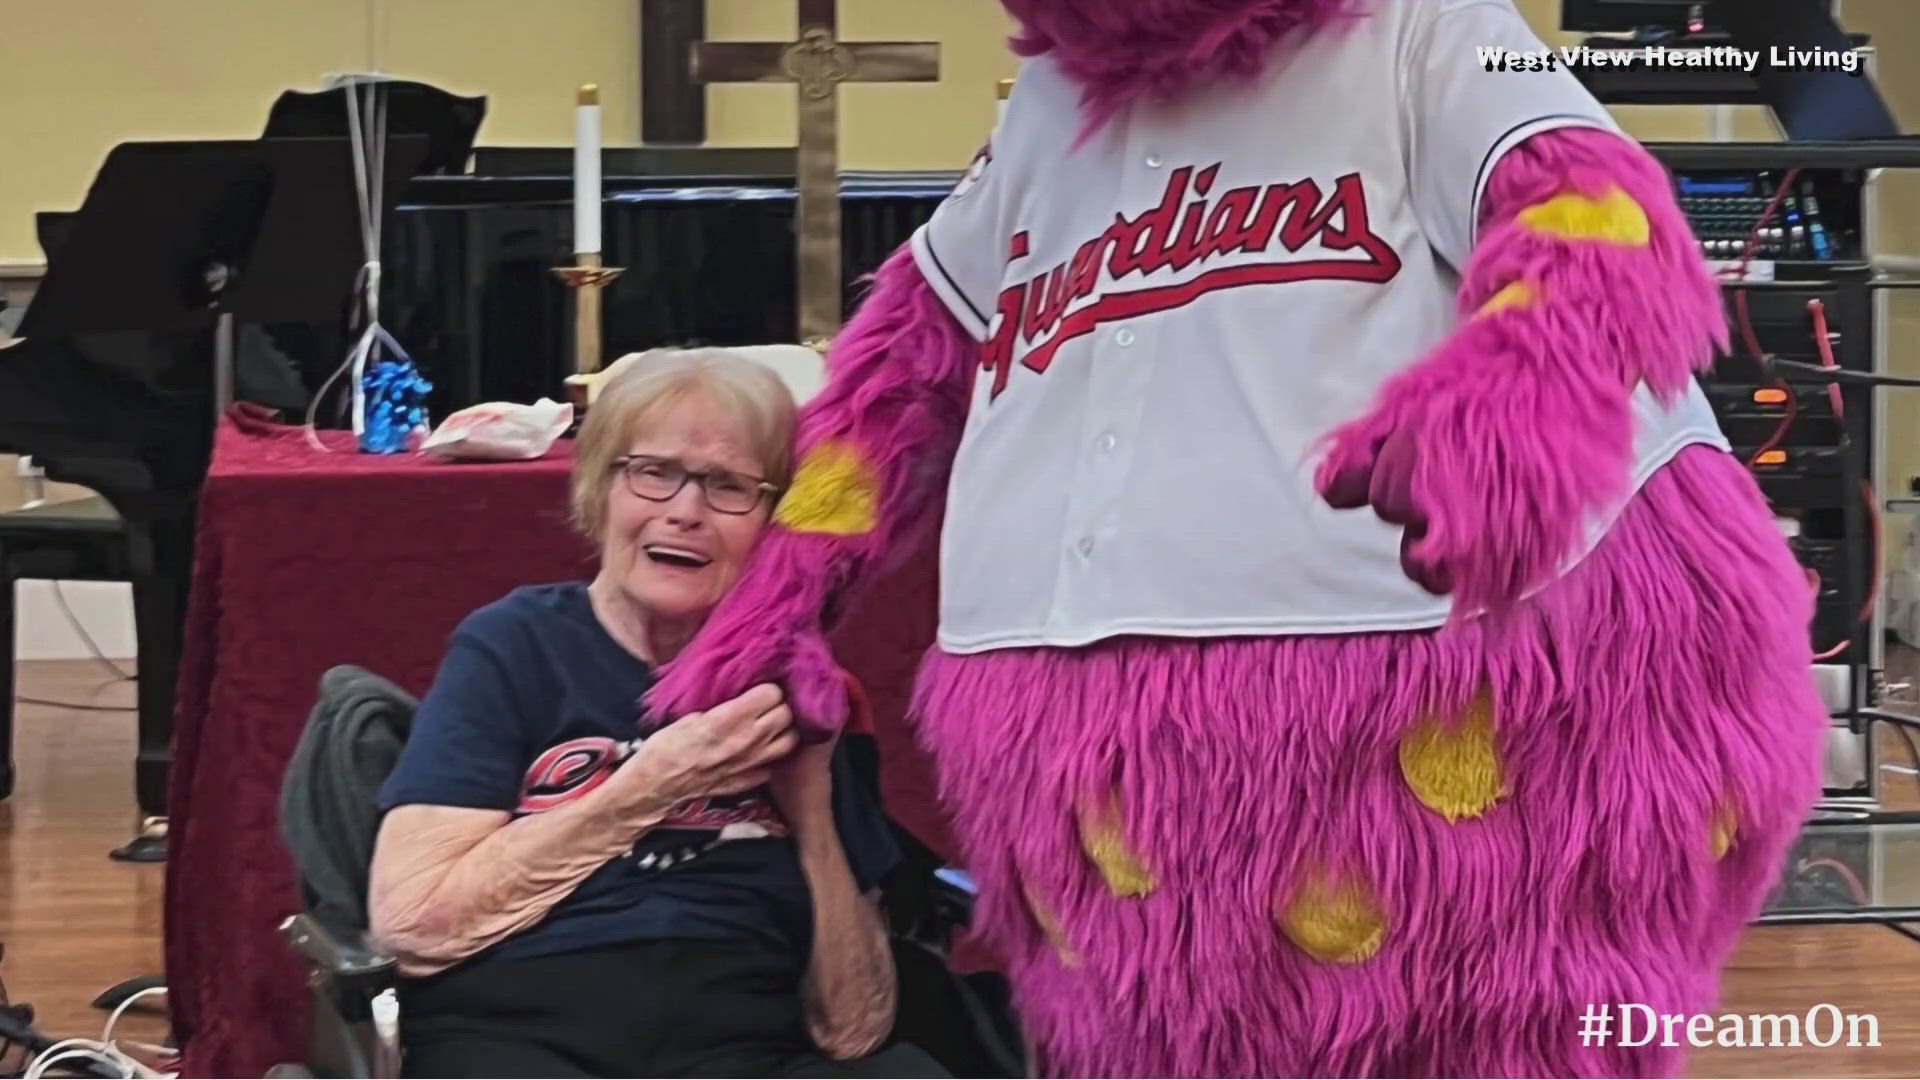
{"type": "Point", "coordinates": [1359, 651]}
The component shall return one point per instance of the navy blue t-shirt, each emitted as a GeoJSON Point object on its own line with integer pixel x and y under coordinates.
{"type": "Point", "coordinates": [535, 670]}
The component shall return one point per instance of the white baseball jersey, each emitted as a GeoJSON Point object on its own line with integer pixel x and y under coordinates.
{"type": "Point", "coordinates": [1173, 311]}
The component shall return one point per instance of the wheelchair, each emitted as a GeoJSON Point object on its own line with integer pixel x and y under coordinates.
{"type": "Point", "coordinates": [963, 1021]}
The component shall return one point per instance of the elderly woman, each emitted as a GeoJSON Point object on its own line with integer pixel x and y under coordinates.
{"type": "Point", "coordinates": [574, 893]}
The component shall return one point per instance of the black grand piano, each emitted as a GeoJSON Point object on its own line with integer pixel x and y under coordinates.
{"type": "Point", "coordinates": [706, 237]}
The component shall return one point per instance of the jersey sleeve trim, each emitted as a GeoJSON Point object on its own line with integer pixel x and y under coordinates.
{"type": "Point", "coordinates": [945, 287]}
{"type": "Point", "coordinates": [1513, 137]}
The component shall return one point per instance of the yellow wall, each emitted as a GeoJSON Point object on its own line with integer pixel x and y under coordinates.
{"type": "Point", "coordinates": [79, 76]}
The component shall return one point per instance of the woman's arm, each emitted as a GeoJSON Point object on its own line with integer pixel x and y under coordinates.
{"type": "Point", "coordinates": [851, 988]}
{"type": "Point", "coordinates": [447, 882]}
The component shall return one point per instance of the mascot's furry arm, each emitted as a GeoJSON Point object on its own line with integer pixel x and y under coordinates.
{"type": "Point", "coordinates": [1494, 451]}
{"type": "Point", "coordinates": [875, 448]}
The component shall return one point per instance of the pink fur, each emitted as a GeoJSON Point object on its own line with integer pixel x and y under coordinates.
{"type": "Point", "coordinates": [897, 388]}
{"type": "Point", "coordinates": [1667, 672]}
{"type": "Point", "coordinates": [1519, 426]}
{"type": "Point", "coordinates": [1122, 51]}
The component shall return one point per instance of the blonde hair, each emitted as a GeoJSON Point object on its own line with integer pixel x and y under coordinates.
{"type": "Point", "coordinates": [654, 383]}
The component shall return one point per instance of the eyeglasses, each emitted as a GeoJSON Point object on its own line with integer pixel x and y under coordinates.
{"type": "Point", "coordinates": [660, 479]}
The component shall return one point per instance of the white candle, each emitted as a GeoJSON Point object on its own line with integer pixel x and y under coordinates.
{"type": "Point", "coordinates": [586, 172]}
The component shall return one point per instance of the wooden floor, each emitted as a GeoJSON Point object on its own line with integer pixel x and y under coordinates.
{"type": "Point", "coordinates": [74, 922]}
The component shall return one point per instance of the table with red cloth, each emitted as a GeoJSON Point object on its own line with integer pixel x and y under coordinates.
{"type": "Point", "coordinates": [307, 559]}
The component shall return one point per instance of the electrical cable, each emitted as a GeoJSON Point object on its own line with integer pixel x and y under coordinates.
{"type": "Point", "coordinates": [50, 703]}
{"type": "Point", "coordinates": [106, 1036]}
{"type": "Point", "coordinates": [1839, 376]}
{"type": "Point", "coordinates": [1823, 342]}
{"type": "Point", "coordinates": [1913, 752]}
{"type": "Point", "coordinates": [98, 1054]}
{"type": "Point", "coordinates": [1753, 238]}
{"type": "Point", "coordinates": [1762, 365]}
{"type": "Point", "coordinates": [103, 1052]}
{"type": "Point", "coordinates": [99, 656]}
{"type": "Point", "coordinates": [1845, 872]}
{"type": "Point", "coordinates": [1834, 375]}
{"type": "Point", "coordinates": [92, 645]}
{"type": "Point", "coordinates": [1745, 320]}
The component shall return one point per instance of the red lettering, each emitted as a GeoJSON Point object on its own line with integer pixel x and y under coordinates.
{"type": "Point", "coordinates": [1231, 226]}
{"type": "Point", "coordinates": [1275, 202]}
{"type": "Point", "coordinates": [1059, 295]}
{"type": "Point", "coordinates": [1302, 222]}
{"type": "Point", "coordinates": [996, 355]}
{"type": "Point", "coordinates": [1186, 250]}
{"type": "Point", "coordinates": [1086, 267]}
{"type": "Point", "coordinates": [1241, 220]}
{"type": "Point", "coordinates": [1355, 230]}
{"type": "Point", "coordinates": [1145, 251]}
{"type": "Point", "coordinates": [1033, 322]}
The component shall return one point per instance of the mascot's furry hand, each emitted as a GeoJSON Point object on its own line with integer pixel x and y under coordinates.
{"type": "Point", "coordinates": [1496, 452]}
{"type": "Point", "coordinates": [767, 630]}
{"type": "Point", "coordinates": [1491, 474]}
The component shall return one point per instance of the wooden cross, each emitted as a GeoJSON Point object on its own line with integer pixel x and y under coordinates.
{"type": "Point", "coordinates": [818, 63]}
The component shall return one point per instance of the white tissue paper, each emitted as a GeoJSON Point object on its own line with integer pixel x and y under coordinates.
{"type": "Point", "coordinates": [499, 431]}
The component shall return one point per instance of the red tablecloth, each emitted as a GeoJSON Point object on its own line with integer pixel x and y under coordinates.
{"type": "Point", "coordinates": [306, 560]}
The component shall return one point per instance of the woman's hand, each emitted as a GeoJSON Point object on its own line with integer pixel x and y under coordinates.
{"type": "Point", "coordinates": [803, 789]}
{"type": "Point", "coordinates": [729, 749]}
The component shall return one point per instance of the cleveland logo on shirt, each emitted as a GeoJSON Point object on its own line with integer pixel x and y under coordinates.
{"type": "Point", "coordinates": [1162, 241]}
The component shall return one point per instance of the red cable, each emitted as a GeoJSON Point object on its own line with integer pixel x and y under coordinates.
{"type": "Point", "coordinates": [1822, 341]}
{"type": "Point", "coordinates": [1845, 871]}
{"type": "Point", "coordinates": [1873, 569]}
{"type": "Point", "coordinates": [1752, 343]}
{"type": "Point", "coordinates": [1753, 238]}
{"type": "Point", "coordinates": [1747, 334]}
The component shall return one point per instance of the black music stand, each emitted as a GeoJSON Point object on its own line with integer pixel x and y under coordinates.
{"type": "Point", "coordinates": [449, 121]}
{"type": "Point", "coordinates": [181, 237]}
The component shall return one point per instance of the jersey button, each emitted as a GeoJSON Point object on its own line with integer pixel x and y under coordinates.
{"type": "Point", "coordinates": [1154, 161]}
{"type": "Point", "coordinates": [1086, 545]}
{"type": "Point", "coordinates": [1124, 338]}
{"type": "Point", "coordinates": [1107, 443]}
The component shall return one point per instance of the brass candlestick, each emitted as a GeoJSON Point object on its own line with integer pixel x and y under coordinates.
{"type": "Point", "coordinates": [586, 279]}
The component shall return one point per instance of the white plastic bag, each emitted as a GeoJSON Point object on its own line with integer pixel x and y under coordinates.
{"type": "Point", "coordinates": [499, 431]}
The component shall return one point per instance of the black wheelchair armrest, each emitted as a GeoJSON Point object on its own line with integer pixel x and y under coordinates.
{"type": "Point", "coordinates": [345, 958]}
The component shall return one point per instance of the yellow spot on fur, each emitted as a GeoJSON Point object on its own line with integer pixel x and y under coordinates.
{"type": "Point", "coordinates": [1725, 826]}
{"type": "Point", "coordinates": [1100, 837]}
{"type": "Point", "coordinates": [1454, 768]}
{"type": "Point", "coordinates": [1050, 926]}
{"type": "Point", "coordinates": [1518, 296]}
{"type": "Point", "coordinates": [834, 491]}
{"type": "Point", "coordinates": [1335, 921]}
{"type": "Point", "coordinates": [1613, 219]}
